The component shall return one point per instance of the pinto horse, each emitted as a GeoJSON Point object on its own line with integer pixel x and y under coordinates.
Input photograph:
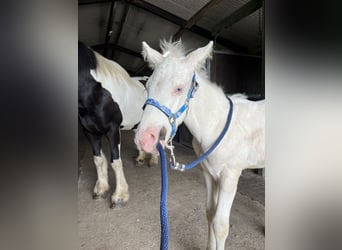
{"type": "Point", "coordinates": [108, 100]}
{"type": "Point", "coordinates": [179, 83]}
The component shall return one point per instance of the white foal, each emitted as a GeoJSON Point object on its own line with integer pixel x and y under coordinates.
{"type": "Point", "coordinates": [242, 146]}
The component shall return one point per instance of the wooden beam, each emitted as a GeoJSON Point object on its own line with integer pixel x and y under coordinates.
{"type": "Point", "coordinates": [236, 16]}
{"type": "Point", "coordinates": [195, 18]}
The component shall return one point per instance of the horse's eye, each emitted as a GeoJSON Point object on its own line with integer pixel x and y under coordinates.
{"type": "Point", "coordinates": [178, 90]}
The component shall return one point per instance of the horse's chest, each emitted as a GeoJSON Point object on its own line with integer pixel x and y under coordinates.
{"type": "Point", "coordinates": [214, 166]}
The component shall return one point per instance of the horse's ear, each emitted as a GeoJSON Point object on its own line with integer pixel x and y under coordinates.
{"type": "Point", "coordinates": [152, 56]}
{"type": "Point", "coordinates": [198, 56]}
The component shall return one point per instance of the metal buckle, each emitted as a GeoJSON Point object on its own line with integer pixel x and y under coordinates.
{"type": "Point", "coordinates": [177, 166]}
{"type": "Point", "coordinates": [173, 163]}
{"type": "Point", "coordinates": [172, 119]}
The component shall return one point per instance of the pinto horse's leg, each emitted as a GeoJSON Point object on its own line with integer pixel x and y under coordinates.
{"type": "Point", "coordinates": [227, 190]}
{"type": "Point", "coordinates": [210, 208]}
{"type": "Point", "coordinates": [140, 159]}
{"type": "Point", "coordinates": [121, 194]}
{"type": "Point", "coordinates": [101, 186]}
{"type": "Point", "coordinates": [153, 162]}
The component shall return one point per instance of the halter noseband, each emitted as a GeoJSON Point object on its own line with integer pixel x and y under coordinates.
{"type": "Point", "coordinates": [174, 116]}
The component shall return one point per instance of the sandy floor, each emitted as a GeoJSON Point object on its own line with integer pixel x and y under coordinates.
{"type": "Point", "coordinates": [137, 225]}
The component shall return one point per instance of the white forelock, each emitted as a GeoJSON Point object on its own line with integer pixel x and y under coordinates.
{"type": "Point", "coordinates": [175, 49]}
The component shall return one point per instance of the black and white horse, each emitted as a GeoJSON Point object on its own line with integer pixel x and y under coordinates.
{"type": "Point", "coordinates": [108, 100]}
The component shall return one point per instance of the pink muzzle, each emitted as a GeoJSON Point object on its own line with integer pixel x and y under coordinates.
{"type": "Point", "coordinates": [147, 139]}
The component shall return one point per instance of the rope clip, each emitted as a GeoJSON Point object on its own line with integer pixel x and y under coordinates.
{"type": "Point", "coordinates": [173, 163]}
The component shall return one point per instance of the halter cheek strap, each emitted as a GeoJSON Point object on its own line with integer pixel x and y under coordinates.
{"type": "Point", "coordinates": [174, 116]}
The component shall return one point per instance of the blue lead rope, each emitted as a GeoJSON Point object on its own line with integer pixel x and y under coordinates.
{"type": "Point", "coordinates": [164, 237]}
{"type": "Point", "coordinates": [181, 167]}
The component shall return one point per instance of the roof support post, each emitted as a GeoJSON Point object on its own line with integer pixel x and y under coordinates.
{"type": "Point", "coordinates": [109, 30]}
{"type": "Point", "coordinates": [122, 21]}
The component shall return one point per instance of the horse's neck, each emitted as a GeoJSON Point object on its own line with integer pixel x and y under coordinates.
{"type": "Point", "coordinates": [207, 113]}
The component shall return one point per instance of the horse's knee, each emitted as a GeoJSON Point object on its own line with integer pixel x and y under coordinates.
{"type": "Point", "coordinates": [221, 228]}
{"type": "Point", "coordinates": [210, 215]}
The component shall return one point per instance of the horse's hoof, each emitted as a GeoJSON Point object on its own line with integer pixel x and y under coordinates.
{"type": "Point", "coordinates": [119, 203]}
{"type": "Point", "coordinates": [95, 196]}
{"type": "Point", "coordinates": [139, 163]}
{"type": "Point", "coordinates": [152, 165]}
{"type": "Point", "coordinates": [102, 196]}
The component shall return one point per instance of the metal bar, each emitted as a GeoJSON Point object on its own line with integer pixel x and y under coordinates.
{"type": "Point", "coordinates": [195, 18]}
{"type": "Point", "coordinates": [94, 2]}
{"type": "Point", "coordinates": [236, 16]}
{"type": "Point", "coordinates": [122, 21]}
{"type": "Point", "coordinates": [118, 48]}
{"type": "Point", "coordinates": [222, 52]}
{"type": "Point", "coordinates": [109, 30]}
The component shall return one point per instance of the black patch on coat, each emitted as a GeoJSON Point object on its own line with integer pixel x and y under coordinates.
{"type": "Point", "coordinates": [98, 113]}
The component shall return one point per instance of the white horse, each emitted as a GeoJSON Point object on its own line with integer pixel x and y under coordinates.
{"type": "Point", "coordinates": [242, 146]}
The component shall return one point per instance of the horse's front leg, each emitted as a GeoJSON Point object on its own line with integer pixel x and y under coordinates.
{"type": "Point", "coordinates": [121, 194]}
{"type": "Point", "coordinates": [101, 186]}
{"type": "Point", "coordinates": [153, 162]}
{"type": "Point", "coordinates": [211, 201]}
{"type": "Point", "coordinates": [210, 208]}
{"type": "Point", "coordinates": [227, 190]}
{"type": "Point", "coordinates": [140, 159]}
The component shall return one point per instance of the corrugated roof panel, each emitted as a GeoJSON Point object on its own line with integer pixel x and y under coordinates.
{"type": "Point", "coordinates": [192, 41]}
{"type": "Point", "coordinates": [181, 8]}
{"type": "Point", "coordinates": [219, 12]}
{"type": "Point", "coordinates": [144, 26]}
{"type": "Point", "coordinates": [141, 25]}
{"type": "Point", "coordinates": [246, 32]}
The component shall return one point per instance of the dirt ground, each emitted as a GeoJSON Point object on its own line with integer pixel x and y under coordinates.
{"type": "Point", "coordinates": [137, 225]}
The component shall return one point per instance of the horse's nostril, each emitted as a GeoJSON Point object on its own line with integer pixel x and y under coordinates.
{"type": "Point", "coordinates": [153, 137]}
{"type": "Point", "coordinates": [148, 138]}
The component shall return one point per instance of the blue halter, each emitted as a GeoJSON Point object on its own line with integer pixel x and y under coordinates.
{"type": "Point", "coordinates": [174, 116]}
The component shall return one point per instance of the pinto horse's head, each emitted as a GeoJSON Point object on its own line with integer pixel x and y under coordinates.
{"type": "Point", "coordinates": [169, 86]}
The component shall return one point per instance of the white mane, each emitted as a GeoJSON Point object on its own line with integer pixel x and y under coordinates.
{"type": "Point", "coordinates": [174, 49]}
